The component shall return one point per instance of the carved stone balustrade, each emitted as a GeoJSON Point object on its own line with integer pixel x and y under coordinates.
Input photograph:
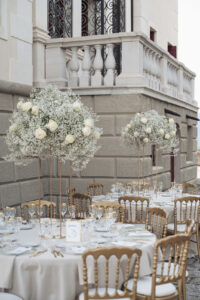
{"type": "Point", "coordinates": [118, 60]}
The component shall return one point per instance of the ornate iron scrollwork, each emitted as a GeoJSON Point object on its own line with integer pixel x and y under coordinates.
{"type": "Point", "coordinates": [60, 18]}
{"type": "Point", "coordinates": [102, 16]}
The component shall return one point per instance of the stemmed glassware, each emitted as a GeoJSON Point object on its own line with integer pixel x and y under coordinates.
{"type": "Point", "coordinates": [40, 211]}
{"type": "Point", "coordinates": [32, 210]}
{"type": "Point", "coordinates": [64, 210]}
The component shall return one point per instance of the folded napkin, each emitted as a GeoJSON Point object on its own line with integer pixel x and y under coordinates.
{"type": "Point", "coordinates": [6, 266]}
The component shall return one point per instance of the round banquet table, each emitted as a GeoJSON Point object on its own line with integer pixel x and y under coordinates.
{"type": "Point", "coordinates": [46, 277]}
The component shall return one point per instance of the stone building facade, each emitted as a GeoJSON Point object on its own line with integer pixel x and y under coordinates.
{"type": "Point", "coordinates": [142, 76]}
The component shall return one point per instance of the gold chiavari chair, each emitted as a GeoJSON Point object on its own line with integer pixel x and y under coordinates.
{"type": "Point", "coordinates": [189, 188]}
{"type": "Point", "coordinates": [156, 221]}
{"type": "Point", "coordinates": [186, 208]}
{"type": "Point", "coordinates": [160, 286]}
{"type": "Point", "coordinates": [189, 225]}
{"type": "Point", "coordinates": [73, 191]}
{"type": "Point", "coordinates": [81, 203]}
{"type": "Point", "coordinates": [43, 203]}
{"type": "Point", "coordinates": [113, 206]}
{"type": "Point", "coordinates": [95, 189]}
{"type": "Point", "coordinates": [134, 208]}
{"type": "Point", "coordinates": [102, 257]}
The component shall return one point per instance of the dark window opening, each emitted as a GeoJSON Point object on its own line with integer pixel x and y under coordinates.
{"type": "Point", "coordinates": [172, 50]}
{"type": "Point", "coordinates": [152, 34]}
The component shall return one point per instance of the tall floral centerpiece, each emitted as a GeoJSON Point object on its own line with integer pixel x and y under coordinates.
{"type": "Point", "coordinates": [50, 124]}
{"type": "Point", "coordinates": [150, 128]}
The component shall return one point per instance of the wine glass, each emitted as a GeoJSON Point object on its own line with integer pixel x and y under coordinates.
{"type": "Point", "coordinates": [99, 213]}
{"type": "Point", "coordinates": [160, 186]}
{"type": "Point", "coordinates": [32, 210]}
{"type": "Point", "coordinates": [6, 213]}
{"type": "Point", "coordinates": [40, 210]}
{"type": "Point", "coordinates": [64, 210]}
{"type": "Point", "coordinates": [92, 211]}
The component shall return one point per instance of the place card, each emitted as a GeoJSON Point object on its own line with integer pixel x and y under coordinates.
{"type": "Point", "coordinates": [73, 231]}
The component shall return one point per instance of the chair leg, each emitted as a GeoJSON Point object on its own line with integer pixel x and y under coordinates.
{"type": "Point", "coordinates": [197, 240]}
{"type": "Point", "coordinates": [184, 287]}
{"type": "Point", "coordinates": [180, 289]}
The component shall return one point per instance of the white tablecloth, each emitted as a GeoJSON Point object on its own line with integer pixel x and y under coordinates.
{"type": "Point", "coordinates": [47, 278]}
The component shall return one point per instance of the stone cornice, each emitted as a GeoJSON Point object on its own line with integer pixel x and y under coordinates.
{"type": "Point", "coordinates": [9, 87]}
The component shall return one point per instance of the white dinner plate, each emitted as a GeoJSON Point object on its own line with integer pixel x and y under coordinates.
{"type": "Point", "coordinates": [18, 251]}
{"type": "Point", "coordinates": [109, 235]}
{"type": "Point", "coordinates": [125, 244]}
{"type": "Point", "coordinates": [6, 231]}
{"type": "Point", "coordinates": [7, 239]}
{"type": "Point", "coordinates": [101, 229]}
{"type": "Point", "coordinates": [140, 234]}
{"type": "Point", "coordinates": [26, 227]}
{"type": "Point", "coordinates": [78, 250]}
{"type": "Point", "coordinates": [29, 244]}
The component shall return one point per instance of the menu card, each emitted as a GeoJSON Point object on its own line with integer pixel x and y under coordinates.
{"type": "Point", "coordinates": [73, 231]}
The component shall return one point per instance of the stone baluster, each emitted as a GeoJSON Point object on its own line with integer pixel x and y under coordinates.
{"type": "Point", "coordinates": [74, 67]}
{"type": "Point", "coordinates": [158, 71]}
{"type": "Point", "coordinates": [151, 68]}
{"type": "Point", "coordinates": [109, 78]}
{"type": "Point", "coordinates": [164, 74]}
{"type": "Point", "coordinates": [96, 79]}
{"type": "Point", "coordinates": [154, 70]}
{"type": "Point", "coordinates": [180, 82]}
{"type": "Point", "coordinates": [86, 66]}
{"type": "Point", "coordinates": [148, 66]}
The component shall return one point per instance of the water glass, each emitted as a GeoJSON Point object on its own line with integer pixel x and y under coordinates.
{"type": "Point", "coordinates": [32, 210]}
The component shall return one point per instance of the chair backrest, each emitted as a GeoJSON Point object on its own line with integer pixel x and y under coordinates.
{"type": "Point", "coordinates": [174, 252]}
{"type": "Point", "coordinates": [188, 187]}
{"type": "Point", "coordinates": [156, 221]}
{"type": "Point", "coordinates": [50, 206]}
{"type": "Point", "coordinates": [114, 206]}
{"type": "Point", "coordinates": [134, 208]}
{"type": "Point", "coordinates": [95, 189]}
{"type": "Point", "coordinates": [138, 185]}
{"type": "Point", "coordinates": [110, 263]}
{"type": "Point", "coordinates": [82, 203]}
{"type": "Point", "coordinates": [186, 208]}
{"type": "Point", "coordinates": [73, 191]}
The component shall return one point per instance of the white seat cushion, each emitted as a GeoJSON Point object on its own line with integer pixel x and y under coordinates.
{"type": "Point", "coordinates": [6, 296]}
{"type": "Point", "coordinates": [101, 292]}
{"type": "Point", "coordinates": [144, 286]}
{"type": "Point", "coordinates": [165, 271]}
{"type": "Point", "coordinates": [180, 227]}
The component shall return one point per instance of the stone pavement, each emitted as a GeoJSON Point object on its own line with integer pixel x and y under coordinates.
{"type": "Point", "coordinates": [193, 281]}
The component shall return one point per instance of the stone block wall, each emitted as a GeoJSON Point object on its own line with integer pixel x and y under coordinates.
{"type": "Point", "coordinates": [17, 183]}
{"type": "Point", "coordinates": [113, 162]}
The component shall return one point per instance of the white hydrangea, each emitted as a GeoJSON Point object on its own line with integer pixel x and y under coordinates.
{"type": "Point", "coordinates": [161, 131]}
{"type": "Point", "coordinates": [148, 130]}
{"type": "Point", "coordinates": [76, 106]}
{"type": "Point", "coordinates": [26, 106]}
{"type": "Point", "coordinates": [144, 120]}
{"type": "Point", "coordinates": [69, 139]}
{"type": "Point", "coordinates": [52, 125]}
{"type": "Point", "coordinates": [40, 134]}
{"type": "Point", "coordinates": [35, 110]}
{"type": "Point", "coordinates": [89, 123]}
{"type": "Point", "coordinates": [19, 105]}
{"type": "Point", "coordinates": [86, 131]}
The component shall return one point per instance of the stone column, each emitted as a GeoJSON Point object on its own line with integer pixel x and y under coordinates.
{"type": "Point", "coordinates": [76, 18]}
{"type": "Point", "coordinates": [40, 35]}
{"type": "Point", "coordinates": [132, 64]}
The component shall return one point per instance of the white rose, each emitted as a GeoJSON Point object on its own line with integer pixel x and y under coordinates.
{"type": "Point", "coordinates": [144, 120]}
{"type": "Point", "coordinates": [89, 123]}
{"type": "Point", "coordinates": [13, 127]}
{"type": "Point", "coordinates": [145, 140]}
{"type": "Point", "coordinates": [19, 105]}
{"type": "Point", "coordinates": [128, 126]}
{"type": "Point", "coordinates": [96, 135]}
{"type": "Point", "coordinates": [52, 125]}
{"type": "Point", "coordinates": [171, 121]}
{"type": "Point", "coordinates": [173, 133]}
{"type": "Point", "coordinates": [40, 134]}
{"type": "Point", "coordinates": [69, 139]}
{"type": "Point", "coordinates": [86, 131]}
{"type": "Point", "coordinates": [136, 134]}
{"type": "Point", "coordinates": [161, 131]}
{"type": "Point", "coordinates": [26, 106]}
{"type": "Point", "coordinates": [167, 136]}
{"type": "Point", "coordinates": [35, 110]}
{"type": "Point", "coordinates": [76, 106]}
{"type": "Point", "coordinates": [148, 130]}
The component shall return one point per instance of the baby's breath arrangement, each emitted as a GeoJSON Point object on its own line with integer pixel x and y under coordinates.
{"type": "Point", "coordinates": [56, 122]}
{"type": "Point", "coordinates": [150, 127]}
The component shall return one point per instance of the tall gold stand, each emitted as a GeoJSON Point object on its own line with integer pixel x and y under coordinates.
{"type": "Point", "coordinates": [156, 170]}
{"type": "Point", "coordinates": [138, 148]}
{"type": "Point", "coordinates": [60, 188]}
{"type": "Point", "coordinates": [50, 183]}
{"type": "Point", "coordinates": [70, 187]}
{"type": "Point", "coordinates": [39, 198]}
